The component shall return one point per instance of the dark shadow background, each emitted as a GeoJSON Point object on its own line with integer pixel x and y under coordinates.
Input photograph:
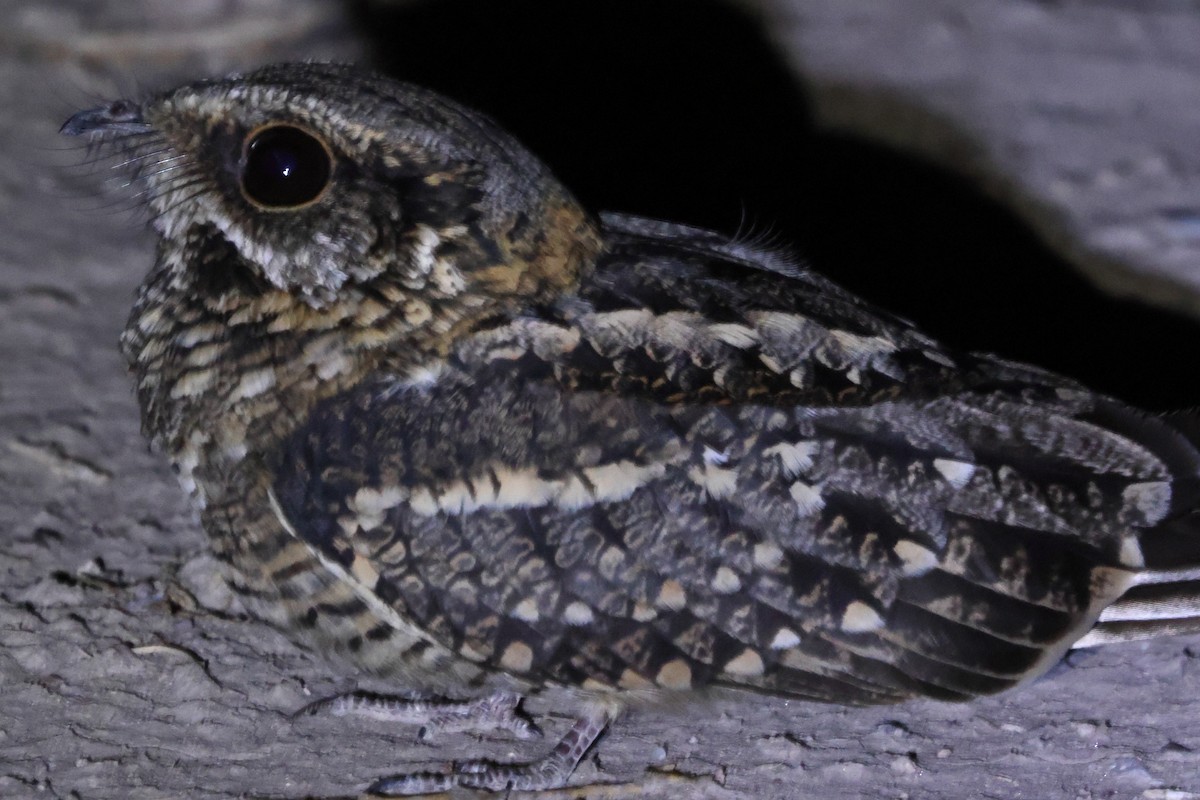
{"type": "Point", "coordinates": [681, 110]}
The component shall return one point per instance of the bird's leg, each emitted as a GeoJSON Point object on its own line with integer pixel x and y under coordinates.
{"type": "Point", "coordinates": [550, 772]}
{"type": "Point", "coordinates": [497, 711]}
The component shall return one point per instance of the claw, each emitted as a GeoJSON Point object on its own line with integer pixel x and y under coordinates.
{"type": "Point", "coordinates": [416, 783]}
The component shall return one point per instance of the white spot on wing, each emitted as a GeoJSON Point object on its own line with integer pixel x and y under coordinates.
{"type": "Point", "coordinates": [861, 618]}
{"type": "Point", "coordinates": [517, 657]}
{"type": "Point", "coordinates": [956, 473]}
{"type": "Point", "coordinates": [672, 595]}
{"type": "Point", "coordinates": [578, 613]}
{"type": "Point", "coordinates": [914, 559]}
{"type": "Point", "coordinates": [748, 663]}
{"type": "Point", "coordinates": [675, 674]}
{"type": "Point", "coordinates": [1131, 553]}
{"type": "Point", "coordinates": [719, 483]}
{"type": "Point", "coordinates": [726, 581]}
{"type": "Point", "coordinates": [808, 499]}
{"type": "Point", "coordinates": [526, 610]}
{"type": "Point", "coordinates": [767, 555]}
{"type": "Point", "coordinates": [785, 638]}
{"type": "Point", "coordinates": [794, 457]}
{"type": "Point", "coordinates": [643, 613]}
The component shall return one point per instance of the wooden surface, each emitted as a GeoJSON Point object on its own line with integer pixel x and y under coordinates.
{"type": "Point", "coordinates": [125, 673]}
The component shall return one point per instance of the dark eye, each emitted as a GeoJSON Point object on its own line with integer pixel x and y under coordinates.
{"type": "Point", "coordinates": [285, 167]}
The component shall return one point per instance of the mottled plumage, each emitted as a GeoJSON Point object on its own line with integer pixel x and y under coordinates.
{"type": "Point", "coordinates": [444, 421]}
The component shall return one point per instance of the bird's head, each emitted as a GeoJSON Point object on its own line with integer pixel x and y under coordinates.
{"type": "Point", "coordinates": [321, 175]}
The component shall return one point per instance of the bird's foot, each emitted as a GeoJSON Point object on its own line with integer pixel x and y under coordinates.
{"type": "Point", "coordinates": [498, 711]}
{"type": "Point", "coordinates": [550, 772]}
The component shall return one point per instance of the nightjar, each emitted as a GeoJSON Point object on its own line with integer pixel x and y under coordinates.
{"type": "Point", "coordinates": [443, 421]}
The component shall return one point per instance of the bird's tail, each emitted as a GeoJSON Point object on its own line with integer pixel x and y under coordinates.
{"type": "Point", "coordinates": [1164, 598]}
